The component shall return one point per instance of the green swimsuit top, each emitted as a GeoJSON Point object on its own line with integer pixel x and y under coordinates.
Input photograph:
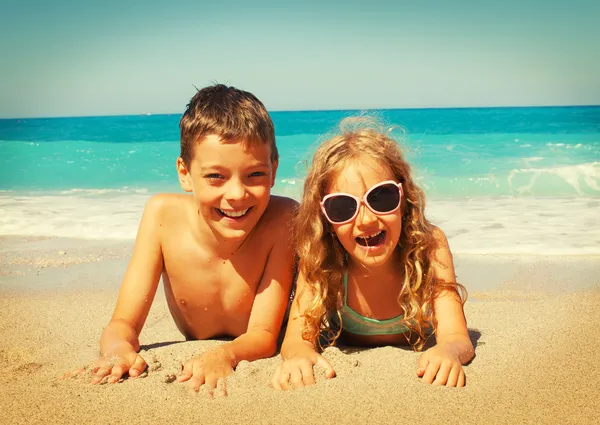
{"type": "Point", "coordinates": [360, 325]}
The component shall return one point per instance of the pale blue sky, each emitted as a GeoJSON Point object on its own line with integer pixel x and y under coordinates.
{"type": "Point", "coordinates": [65, 58]}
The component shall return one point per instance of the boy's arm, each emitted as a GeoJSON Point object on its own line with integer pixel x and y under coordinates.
{"type": "Point", "coordinates": [268, 308]}
{"type": "Point", "coordinates": [119, 341]}
{"type": "Point", "coordinates": [270, 303]}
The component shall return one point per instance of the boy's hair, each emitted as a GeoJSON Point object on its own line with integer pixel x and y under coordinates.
{"type": "Point", "coordinates": [232, 114]}
{"type": "Point", "coordinates": [323, 260]}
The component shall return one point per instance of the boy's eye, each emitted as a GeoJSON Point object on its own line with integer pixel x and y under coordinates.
{"type": "Point", "coordinates": [258, 174]}
{"type": "Point", "coordinates": [213, 176]}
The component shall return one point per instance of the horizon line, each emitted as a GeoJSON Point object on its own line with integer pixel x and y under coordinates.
{"type": "Point", "coordinates": [314, 110]}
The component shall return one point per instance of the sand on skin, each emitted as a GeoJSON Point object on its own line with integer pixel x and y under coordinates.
{"type": "Point", "coordinates": [535, 326]}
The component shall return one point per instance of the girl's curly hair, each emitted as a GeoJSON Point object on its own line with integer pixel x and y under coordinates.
{"type": "Point", "coordinates": [323, 260]}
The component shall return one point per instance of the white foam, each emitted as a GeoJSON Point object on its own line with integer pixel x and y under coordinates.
{"type": "Point", "coordinates": [543, 226]}
{"type": "Point", "coordinates": [94, 192]}
{"type": "Point", "coordinates": [509, 225]}
{"type": "Point", "coordinates": [573, 175]}
{"type": "Point", "coordinates": [72, 215]}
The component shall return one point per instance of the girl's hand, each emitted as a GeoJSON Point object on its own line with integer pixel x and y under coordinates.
{"type": "Point", "coordinates": [440, 365]}
{"type": "Point", "coordinates": [297, 371]}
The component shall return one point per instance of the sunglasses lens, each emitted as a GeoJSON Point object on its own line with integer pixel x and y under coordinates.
{"type": "Point", "coordinates": [384, 198]}
{"type": "Point", "coordinates": [340, 208]}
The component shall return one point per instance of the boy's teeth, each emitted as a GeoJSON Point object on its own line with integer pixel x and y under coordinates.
{"type": "Point", "coordinates": [235, 214]}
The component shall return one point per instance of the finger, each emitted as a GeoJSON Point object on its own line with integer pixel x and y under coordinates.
{"type": "Point", "coordinates": [308, 374]}
{"type": "Point", "coordinates": [186, 372]}
{"type": "Point", "coordinates": [284, 379]}
{"type": "Point", "coordinates": [97, 365]}
{"type": "Point", "coordinates": [210, 381]}
{"type": "Point", "coordinates": [422, 364]}
{"type": "Point", "coordinates": [324, 363]}
{"type": "Point", "coordinates": [461, 378]}
{"type": "Point", "coordinates": [275, 379]}
{"type": "Point", "coordinates": [221, 390]}
{"type": "Point", "coordinates": [100, 374]}
{"type": "Point", "coordinates": [118, 370]}
{"type": "Point", "coordinates": [431, 371]}
{"type": "Point", "coordinates": [442, 376]}
{"type": "Point", "coordinates": [139, 366]}
{"type": "Point", "coordinates": [198, 377]}
{"type": "Point", "coordinates": [453, 376]}
{"type": "Point", "coordinates": [296, 378]}
{"type": "Point", "coordinates": [73, 373]}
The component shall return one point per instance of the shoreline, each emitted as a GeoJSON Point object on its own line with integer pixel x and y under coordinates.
{"type": "Point", "coordinates": [27, 260]}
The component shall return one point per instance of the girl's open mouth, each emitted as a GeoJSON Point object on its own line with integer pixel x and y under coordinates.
{"type": "Point", "coordinates": [374, 239]}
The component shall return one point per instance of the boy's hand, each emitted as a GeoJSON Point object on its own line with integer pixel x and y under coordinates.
{"type": "Point", "coordinates": [208, 369]}
{"type": "Point", "coordinates": [440, 365]}
{"type": "Point", "coordinates": [297, 371]}
{"type": "Point", "coordinates": [113, 368]}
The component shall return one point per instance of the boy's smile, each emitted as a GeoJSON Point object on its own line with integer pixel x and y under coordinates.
{"type": "Point", "coordinates": [233, 214]}
{"type": "Point", "coordinates": [231, 183]}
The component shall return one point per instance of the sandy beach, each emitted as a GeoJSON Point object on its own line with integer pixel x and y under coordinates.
{"type": "Point", "coordinates": [533, 319]}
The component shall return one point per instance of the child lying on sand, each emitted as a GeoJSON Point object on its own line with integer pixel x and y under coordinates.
{"type": "Point", "coordinates": [373, 269]}
{"type": "Point", "coordinates": [223, 251]}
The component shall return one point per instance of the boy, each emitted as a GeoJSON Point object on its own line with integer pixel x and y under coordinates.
{"type": "Point", "coordinates": [223, 251]}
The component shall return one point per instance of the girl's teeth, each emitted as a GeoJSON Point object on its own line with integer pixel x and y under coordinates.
{"type": "Point", "coordinates": [372, 235]}
{"type": "Point", "coordinates": [235, 214]}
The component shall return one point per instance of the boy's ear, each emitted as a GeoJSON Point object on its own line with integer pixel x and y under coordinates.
{"type": "Point", "coordinates": [274, 173]}
{"type": "Point", "coordinates": [185, 179]}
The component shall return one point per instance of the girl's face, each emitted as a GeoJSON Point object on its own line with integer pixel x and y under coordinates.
{"type": "Point", "coordinates": [370, 239]}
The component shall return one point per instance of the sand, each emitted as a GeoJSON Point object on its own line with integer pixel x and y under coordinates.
{"type": "Point", "coordinates": [534, 321]}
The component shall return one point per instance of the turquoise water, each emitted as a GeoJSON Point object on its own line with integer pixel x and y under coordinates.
{"type": "Point", "coordinates": [497, 179]}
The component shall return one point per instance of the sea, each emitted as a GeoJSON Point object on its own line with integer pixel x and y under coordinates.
{"type": "Point", "coordinates": [521, 181]}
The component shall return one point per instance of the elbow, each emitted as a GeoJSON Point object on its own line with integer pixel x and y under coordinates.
{"type": "Point", "coordinates": [270, 346]}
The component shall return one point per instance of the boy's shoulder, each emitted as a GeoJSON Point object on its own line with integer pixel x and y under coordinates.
{"type": "Point", "coordinates": [282, 204]}
{"type": "Point", "coordinates": [167, 206]}
{"type": "Point", "coordinates": [280, 211]}
{"type": "Point", "coordinates": [167, 200]}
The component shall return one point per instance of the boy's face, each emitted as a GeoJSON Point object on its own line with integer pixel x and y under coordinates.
{"type": "Point", "coordinates": [231, 185]}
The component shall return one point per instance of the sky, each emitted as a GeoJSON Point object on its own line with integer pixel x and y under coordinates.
{"type": "Point", "coordinates": [113, 57]}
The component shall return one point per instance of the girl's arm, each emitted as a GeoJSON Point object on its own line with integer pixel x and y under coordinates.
{"type": "Point", "coordinates": [299, 355]}
{"type": "Point", "coordinates": [442, 364]}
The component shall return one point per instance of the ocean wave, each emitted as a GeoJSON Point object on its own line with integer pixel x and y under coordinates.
{"type": "Point", "coordinates": [582, 178]}
{"type": "Point", "coordinates": [94, 192]}
{"type": "Point", "coordinates": [486, 225]}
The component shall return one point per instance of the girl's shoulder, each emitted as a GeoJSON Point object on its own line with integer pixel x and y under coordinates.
{"type": "Point", "coordinates": [441, 257]}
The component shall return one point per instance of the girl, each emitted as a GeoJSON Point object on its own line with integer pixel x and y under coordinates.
{"type": "Point", "coordinates": [373, 270]}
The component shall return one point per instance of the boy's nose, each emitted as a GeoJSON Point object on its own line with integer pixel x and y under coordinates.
{"type": "Point", "coordinates": [236, 191]}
